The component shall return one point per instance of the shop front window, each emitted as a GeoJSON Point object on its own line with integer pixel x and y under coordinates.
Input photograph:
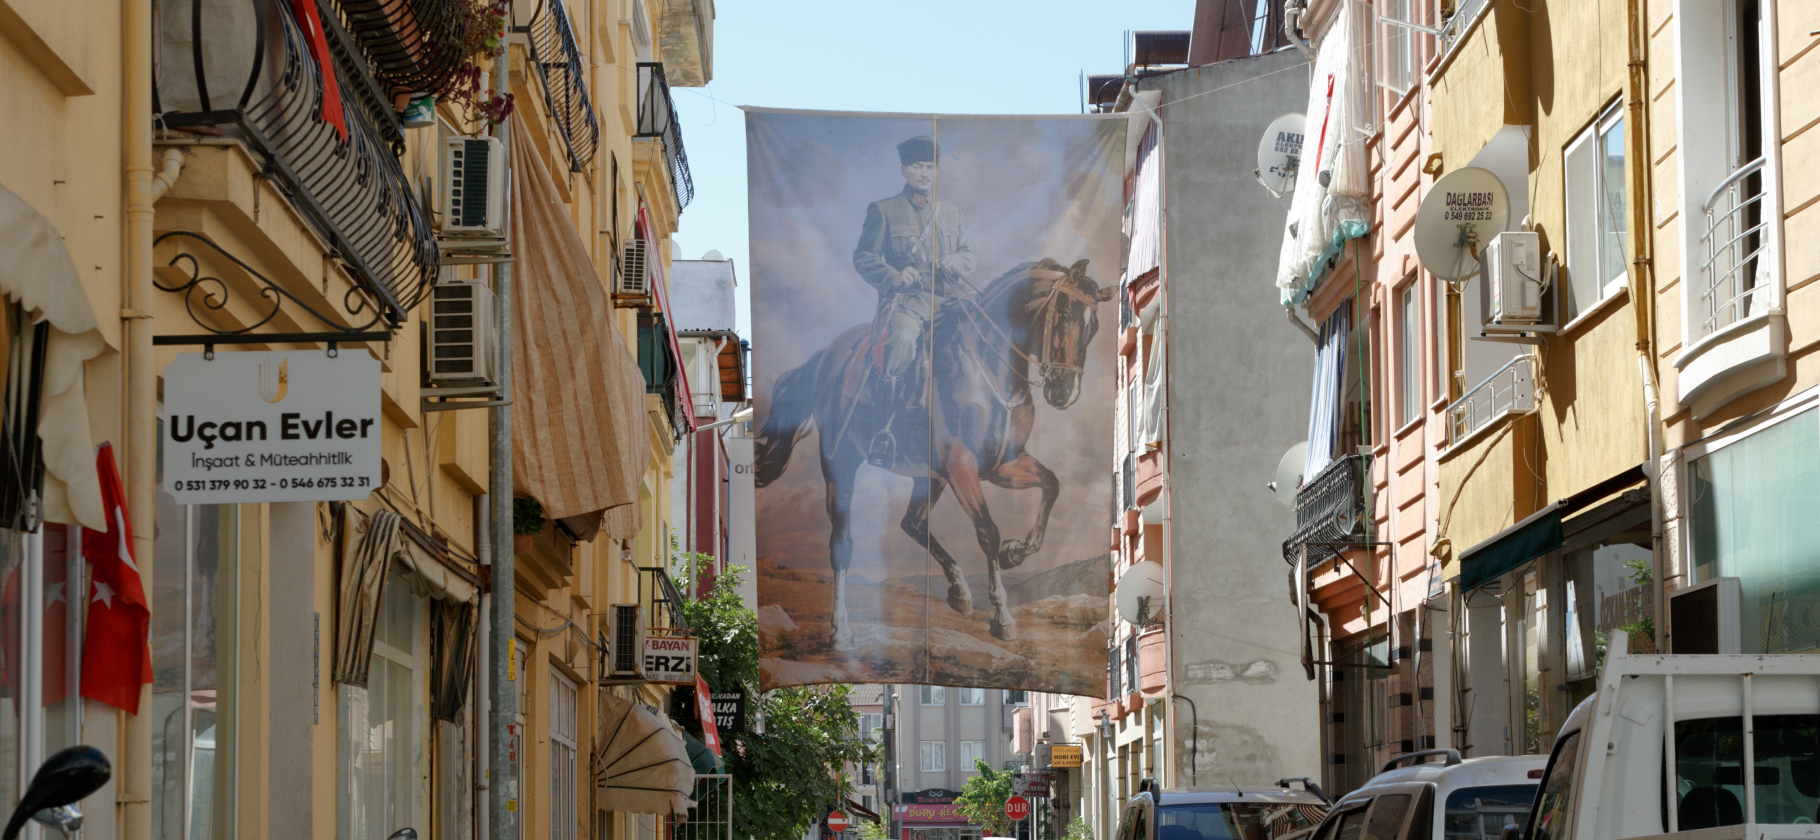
{"type": "Point", "coordinates": [381, 745]}
{"type": "Point", "coordinates": [1751, 506]}
{"type": "Point", "coordinates": [1363, 699]}
{"type": "Point", "coordinates": [195, 602]}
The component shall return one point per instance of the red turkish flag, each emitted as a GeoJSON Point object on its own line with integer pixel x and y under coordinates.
{"type": "Point", "coordinates": [704, 711]}
{"type": "Point", "coordinates": [116, 649]}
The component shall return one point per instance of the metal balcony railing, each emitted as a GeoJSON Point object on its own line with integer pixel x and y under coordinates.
{"type": "Point", "coordinates": [1736, 233]}
{"type": "Point", "coordinates": [565, 88]}
{"type": "Point", "coordinates": [657, 120]}
{"type": "Point", "coordinates": [1512, 390]}
{"type": "Point", "coordinates": [1128, 482]}
{"type": "Point", "coordinates": [1332, 506]}
{"type": "Point", "coordinates": [245, 69]}
{"type": "Point", "coordinates": [706, 405]}
{"type": "Point", "coordinates": [411, 45]}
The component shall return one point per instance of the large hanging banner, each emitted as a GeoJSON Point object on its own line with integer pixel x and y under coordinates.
{"type": "Point", "coordinates": [934, 300]}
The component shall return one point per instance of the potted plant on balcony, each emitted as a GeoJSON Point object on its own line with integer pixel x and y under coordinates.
{"type": "Point", "coordinates": [434, 48]}
{"type": "Point", "coordinates": [527, 522]}
{"type": "Point", "coordinates": [473, 36]}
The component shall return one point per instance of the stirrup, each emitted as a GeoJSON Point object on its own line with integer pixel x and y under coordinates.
{"type": "Point", "coordinates": [883, 451]}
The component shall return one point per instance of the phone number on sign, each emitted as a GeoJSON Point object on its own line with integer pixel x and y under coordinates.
{"type": "Point", "coordinates": [208, 484]}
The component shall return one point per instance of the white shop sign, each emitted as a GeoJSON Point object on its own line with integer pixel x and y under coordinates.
{"type": "Point", "coordinates": [271, 426]}
{"type": "Point", "coordinates": [670, 660]}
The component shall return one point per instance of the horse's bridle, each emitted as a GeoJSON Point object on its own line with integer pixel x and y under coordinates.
{"type": "Point", "coordinates": [1058, 289]}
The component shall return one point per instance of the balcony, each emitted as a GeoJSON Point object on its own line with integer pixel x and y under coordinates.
{"type": "Point", "coordinates": [1153, 671]}
{"type": "Point", "coordinates": [657, 124]}
{"type": "Point", "coordinates": [1331, 507]}
{"type": "Point", "coordinates": [1734, 281]}
{"type": "Point", "coordinates": [1510, 391]}
{"type": "Point", "coordinates": [407, 50]}
{"type": "Point", "coordinates": [562, 68]}
{"type": "Point", "coordinates": [244, 69]}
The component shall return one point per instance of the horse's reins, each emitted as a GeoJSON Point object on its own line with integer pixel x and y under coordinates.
{"type": "Point", "coordinates": [1051, 319]}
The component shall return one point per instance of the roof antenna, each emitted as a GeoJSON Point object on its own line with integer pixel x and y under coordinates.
{"type": "Point", "coordinates": [1235, 786]}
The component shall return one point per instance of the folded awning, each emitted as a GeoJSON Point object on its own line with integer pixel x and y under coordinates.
{"type": "Point", "coordinates": [579, 444]}
{"type": "Point", "coordinates": [1536, 535]}
{"type": "Point", "coordinates": [36, 272]}
{"type": "Point", "coordinates": [641, 763]}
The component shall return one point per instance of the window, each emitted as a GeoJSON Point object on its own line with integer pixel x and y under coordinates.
{"type": "Point", "coordinates": [562, 757]}
{"type": "Point", "coordinates": [195, 567]}
{"type": "Point", "coordinates": [1553, 816]}
{"type": "Point", "coordinates": [973, 697]}
{"type": "Point", "coordinates": [1595, 214]}
{"type": "Point", "coordinates": [1234, 821]}
{"type": "Point", "coordinates": [381, 729]}
{"type": "Point", "coordinates": [933, 695]}
{"type": "Point", "coordinates": [1386, 820]}
{"type": "Point", "coordinates": [1399, 47]}
{"type": "Point", "coordinates": [1017, 697]}
{"type": "Point", "coordinates": [1443, 361]}
{"type": "Point", "coordinates": [972, 751]}
{"type": "Point", "coordinates": [1480, 813]}
{"type": "Point", "coordinates": [935, 756]}
{"type": "Point", "coordinates": [871, 726]}
{"type": "Point", "coordinates": [1709, 761]}
{"type": "Point", "coordinates": [1409, 350]}
{"type": "Point", "coordinates": [1751, 507]}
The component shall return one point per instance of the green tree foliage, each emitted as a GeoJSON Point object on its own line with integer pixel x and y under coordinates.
{"type": "Point", "coordinates": [982, 800]}
{"type": "Point", "coordinates": [1079, 830]}
{"type": "Point", "coordinates": [793, 773]}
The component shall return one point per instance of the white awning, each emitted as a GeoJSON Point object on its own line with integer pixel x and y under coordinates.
{"type": "Point", "coordinates": [641, 763]}
{"type": "Point", "coordinates": [37, 273]}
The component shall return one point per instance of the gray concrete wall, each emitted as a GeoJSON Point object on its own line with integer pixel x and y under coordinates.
{"type": "Point", "coordinates": [1239, 382]}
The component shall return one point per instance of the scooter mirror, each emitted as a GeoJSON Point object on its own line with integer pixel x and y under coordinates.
{"type": "Point", "coordinates": [404, 834]}
{"type": "Point", "coordinates": [64, 818]}
{"type": "Point", "coordinates": [63, 779]}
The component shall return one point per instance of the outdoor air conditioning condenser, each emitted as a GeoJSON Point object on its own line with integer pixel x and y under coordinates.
{"type": "Point", "coordinates": [472, 202]}
{"type": "Point", "coordinates": [463, 349]}
{"type": "Point", "coordinates": [625, 652]}
{"type": "Point", "coordinates": [1512, 264]}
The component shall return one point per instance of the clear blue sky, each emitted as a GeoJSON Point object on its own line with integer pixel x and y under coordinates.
{"type": "Point", "coordinates": [932, 56]}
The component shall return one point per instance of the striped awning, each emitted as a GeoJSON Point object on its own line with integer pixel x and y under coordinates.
{"type": "Point", "coordinates": [578, 399]}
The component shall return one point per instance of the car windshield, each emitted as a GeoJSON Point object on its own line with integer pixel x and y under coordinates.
{"type": "Point", "coordinates": [1480, 813]}
{"type": "Point", "coordinates": [1236, 821]}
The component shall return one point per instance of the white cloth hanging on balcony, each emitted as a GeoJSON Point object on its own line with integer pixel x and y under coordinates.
{"type": "Point", "coordinates": [1156, 387]}
{"type": "Point", "coordinates": [1146, 209]}
{"type": "Point", "coordinates": [36, 272]}
{"type": "Point", "coordinates": [1331, 203]}
{"type": "Point", "coordinates": [1324, 405]}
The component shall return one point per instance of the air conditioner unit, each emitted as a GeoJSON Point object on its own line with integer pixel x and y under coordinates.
{"type": "Point", "coordinates": [462, 344]}
{"type": "Point", "coordinates": [634, 271]}
{"type": "Point", "coordinates": [1704, 618]}
{"type": "Point", "coordinates": [472, 192]}
{"type": "Point", "coordinates": [625, 652]}
{"type": "Point", "coordinates": [1512, 266]}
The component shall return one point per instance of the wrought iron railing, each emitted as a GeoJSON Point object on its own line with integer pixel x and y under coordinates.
{"type": "Point", "coordinates": [657, 121]}
{"type": "Point", "coordinates": [408, 50]}
{"type": "Point", "coordinates": [1332, 507]}
{"type": "Point", "coordinates": [246, 69]}
{"type": "Point", "coordinates": [565, 89]}
{"type": "Point", "coordinates": [1128, 482]}
{"type": "Point", "coordinates": [1736, 233]}
{"type": "Point", "coordinates": [1512, 390]}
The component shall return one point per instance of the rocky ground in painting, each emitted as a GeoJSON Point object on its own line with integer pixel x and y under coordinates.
{"type": "Point", "coordinates": [1061, 636]}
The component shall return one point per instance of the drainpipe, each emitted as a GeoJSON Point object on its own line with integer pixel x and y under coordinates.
{"type": "Point", "coordinates": [1292, 19]}
{"type": "Point", "coordinates": [502, 788]}
{"type": "Point", "coordinates": [1289, 310]}
{"type": "Point", "coordinates": [141, 372]}
{"type": "Point", "coordinates": [1643, 285]}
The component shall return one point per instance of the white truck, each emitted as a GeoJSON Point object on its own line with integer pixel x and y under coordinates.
{"type": "Point", "coordinates": [1695, 747]}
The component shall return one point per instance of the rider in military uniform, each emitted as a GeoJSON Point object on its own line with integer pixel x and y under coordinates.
{"type": "Point", "coordinates": [914, 251]}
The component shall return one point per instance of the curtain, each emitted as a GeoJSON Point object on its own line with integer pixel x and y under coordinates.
{"type": "Point", "coordinates": [1324, 407]}
{"type": "Point", "coordinates": [1146, 209]}
{"type": "Point", "coordinates": [451, 657]}
{"type": "Point", "coordinates": [1156, 388]}
{"type": "Point", "coordinates": [363, 573]}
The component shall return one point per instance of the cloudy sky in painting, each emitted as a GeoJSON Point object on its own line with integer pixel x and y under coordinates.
{"type": "Point", "coordinates": [1027, 188]}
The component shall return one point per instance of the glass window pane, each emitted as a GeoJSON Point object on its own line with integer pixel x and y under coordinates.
{"type": "Point", "coordinates": [1581, 289]}
{"type": "Point", "coordinates": [1751, 517]}
{"type": "Point", "coordinates": [973, 697]}
{"type": "Point", "coordinates": [1410, 350]}
{"type": "Point", "coordinates": [170, 660]}
{"type": "Point", "coordinates": [1387, 813]}
{"type": "Point", "coordinates": [1480, 813]}
{"type": "Point", "coordinates": [1611, 204]}
{"type": "Point", "coordinates": [1552, 817]}
{"type": "Point", "coordinates": [10, 571]}
{"type": "Point", "coordinates": [1709, 761]}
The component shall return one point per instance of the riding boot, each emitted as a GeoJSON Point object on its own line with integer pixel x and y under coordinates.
{"type": "Point", "coordinates": [883, 450]}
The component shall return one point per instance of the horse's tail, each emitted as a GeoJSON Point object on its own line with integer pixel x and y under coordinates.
{"type": "Point", "coordinates": [792, 411]}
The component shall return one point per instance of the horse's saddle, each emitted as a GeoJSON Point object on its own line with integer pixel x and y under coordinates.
{"type": "Point", "coordinates": [863, 379]}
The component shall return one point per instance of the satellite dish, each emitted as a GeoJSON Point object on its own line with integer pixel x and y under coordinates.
{"type": "Point", "coordinates": [1289, 474]}
{"type": "Point", "coordinates": [1280, 153]}
{"type": "Point", "coordinates": [1459, 215]}
{"type": "Point", "coordinates": [1140, 593]}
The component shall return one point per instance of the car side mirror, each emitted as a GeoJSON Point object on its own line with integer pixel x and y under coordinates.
{"type": "Point", "coordinates": [63, 779]}
{"type": "Point", "coordinates": [404, 834]}
{"type": "Point", "coordinates": [1510, 832]}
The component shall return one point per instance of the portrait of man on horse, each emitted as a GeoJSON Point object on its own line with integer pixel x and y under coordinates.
{"type": "Point", "coordinates": [914, 251]}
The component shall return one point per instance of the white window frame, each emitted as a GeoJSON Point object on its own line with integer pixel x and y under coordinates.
{"type": "Point", "coordinates": [1705, 155]}
{"type": "Point", "coordinates": [1610, 119]}
{"type": "Point", "coordinates": [1397, 39]}
{"type": "Point", "coordinates": [1781, 413]}
{"type": "Point", "coordinates": [415, 799]}
{"type": "Point", "coordinates": [932, 695]}
{"type": "Point", "coordinates": [564, 703]}
{"type": "Point", "coordinates": [971, 750]}
{"type": "Point", "coordinates": [933, 753]}
{"type": "Point", "coordinates": [973, 696]}
{"type": "Point", "coordinates": [1409, 354]}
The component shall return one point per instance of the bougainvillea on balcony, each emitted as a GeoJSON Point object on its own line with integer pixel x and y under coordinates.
{"type": "Point", "coordinates": [432, 46]}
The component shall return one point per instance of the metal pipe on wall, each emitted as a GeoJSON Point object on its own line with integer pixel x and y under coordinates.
{"type": "Point", "coordinates": [1643, 285]}
{"type": "Point", "coordinates": [483, 548]}
{"type": "Point", "coordinates": [141, 386]}
{"type": "Point", "coordinates": [502, 787]}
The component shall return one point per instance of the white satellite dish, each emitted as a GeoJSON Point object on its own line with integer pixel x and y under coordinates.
{"type": "Point", "coordinates": [1280, 153]}
{"type": "Point", "coordinates": [1459, 215]}
{"type": "Point", "coordinates": [1289, 474]}
{"type": "Point", "coordinates": [1141, 592]}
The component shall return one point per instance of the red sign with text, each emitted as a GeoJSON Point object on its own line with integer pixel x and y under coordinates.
{"type": "Point", "coordinates": [1017, 807]}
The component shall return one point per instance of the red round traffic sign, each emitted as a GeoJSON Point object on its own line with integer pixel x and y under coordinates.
{"type": "Point", "coordinates": [1017, 807]}
{"type": "Point", "coordinates": [837, 821]}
